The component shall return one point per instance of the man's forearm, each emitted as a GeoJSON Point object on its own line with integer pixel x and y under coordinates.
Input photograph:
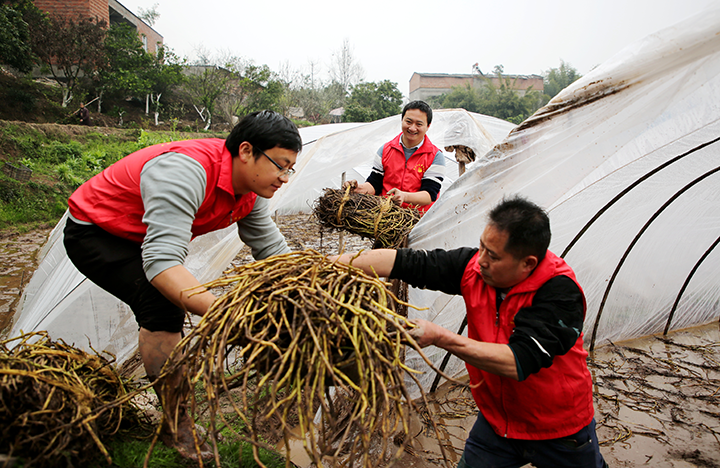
{"type": "Point", "coordinates": [377, 261]}
{"type": "Point", "coordinates": [417, 198]}
{"type": "Point", "coordinates": [174, 282]}
{"type": "Point", "coordinates": [495, 358]}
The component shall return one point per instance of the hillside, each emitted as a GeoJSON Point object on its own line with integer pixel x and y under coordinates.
{"type": "Point", "coordinates": [25, 100]}
{"type": "Point", "coordinates": [45, 154]}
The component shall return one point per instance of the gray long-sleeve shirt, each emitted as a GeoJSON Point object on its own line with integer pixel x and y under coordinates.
{"type": "Point", "coordinates": [172, 187]}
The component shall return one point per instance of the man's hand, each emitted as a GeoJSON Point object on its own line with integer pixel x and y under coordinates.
{"type": "Point", "coordinates": [366, 187]}
{"type": "Point", "coordinates": [350, 183]}
{"type": "Point", "coordinates": [495, 358]}
{"type": "Point", "coordinates": [425, 333]}
{"type": "Point", "coordinates": [397, 195]}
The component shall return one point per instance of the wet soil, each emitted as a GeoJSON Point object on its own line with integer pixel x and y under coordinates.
{"type": "Point", "coordinates": [18, 261]}
{"type": "Point", "coordinates": [657, 398]}
{"type": "Point", "coordinates": [656, 403]}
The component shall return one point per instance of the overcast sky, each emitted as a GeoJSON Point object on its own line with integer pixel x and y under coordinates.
{"type": "Point", "coordinates": [392, 39]}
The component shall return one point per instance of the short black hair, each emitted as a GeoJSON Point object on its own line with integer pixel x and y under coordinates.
{"type": "Point", "coordinates": [421, 106]}
{"type": "Point", "coordinates": [527, 225]}
{"type": "Point", "coordinates": [264, 130]}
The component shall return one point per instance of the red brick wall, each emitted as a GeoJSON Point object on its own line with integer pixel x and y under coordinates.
{"type": "Point", "coordinates": [433, 84]}
{"type": "Point", "coordinates": [153, 38]}
{"type": "Point", "coordinates": [76, 8]}
{"type": "Point", "coordinates": [98, 9]}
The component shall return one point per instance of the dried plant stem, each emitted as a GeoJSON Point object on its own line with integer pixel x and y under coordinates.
{"type": "Point", "coordinates": [368, 216]}
{"type": "Point", "coordinates": [296, 325]}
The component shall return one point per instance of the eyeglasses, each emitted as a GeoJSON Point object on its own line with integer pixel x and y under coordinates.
{"type": "Point", "coordinates": [284, 171]}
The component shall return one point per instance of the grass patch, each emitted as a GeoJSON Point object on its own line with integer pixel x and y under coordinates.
{"type": "Point", "coordinates": [127, 452]}
{"type": "Point", "coordinates": [60, 162]}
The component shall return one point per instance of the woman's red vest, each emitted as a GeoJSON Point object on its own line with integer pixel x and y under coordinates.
{"type": "Point", "coordinates": [554, 402]}
{"type": "Point", "coordinates": [112, 199]}
{"type": "Point", "coordinates": [406, 175]}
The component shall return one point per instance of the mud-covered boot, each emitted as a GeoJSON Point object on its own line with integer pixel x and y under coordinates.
{"type": "Point", "coordinates": [182, 440]}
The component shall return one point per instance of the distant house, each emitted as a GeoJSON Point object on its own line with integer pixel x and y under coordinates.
{"type": "Point", "coordinates": [336, 115]}
{"type": "Point", "coordinates": [425, 85]}
{"type": "Point", "coordinates": [110, 11]}
{"type": "Point", "coordinates": [296, 113]}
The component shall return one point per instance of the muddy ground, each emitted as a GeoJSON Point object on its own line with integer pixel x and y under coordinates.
{"type": "Point", "coordinates": [656, 398]}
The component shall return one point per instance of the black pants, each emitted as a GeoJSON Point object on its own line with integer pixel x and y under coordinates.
{"type": "Point", "coordinates": [115, 264]}
{"type": "Point", "coordinates": [485, 449]}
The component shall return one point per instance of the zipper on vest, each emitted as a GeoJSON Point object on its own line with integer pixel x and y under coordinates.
{"type": "Point", "coordinates": [402, 181]}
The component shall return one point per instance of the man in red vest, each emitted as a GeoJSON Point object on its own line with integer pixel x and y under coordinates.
{"type": "Point", "coordinates": [409, 168]}
{"type": "Point", "coordinates": [524, 350]}
{"type": "Point", "coordinates": [129, 228]}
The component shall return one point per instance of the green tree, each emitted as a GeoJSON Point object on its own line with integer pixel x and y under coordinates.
{"type": "Point", "coordinates": [267, 98]}
{"type": "Point", "coordinates": [373, 101]}
{"type": "Point", "coordinates": [461, 97]}
{"type": "Point", "coordinates": [70, 48]}
{"type": "Point", "coordinates": [164, 75]}
{"type": "Point", "coordinates": [253, 88]}
{"type": "Point", "coordinates": [500, 100]}
{"type": "Point", "coordinates": [557, 79]}
{"type": "Point", "coordinates": [124, 73]}
{"type": "Point", "coordinates": [15, 49]}
{"type": "Point", "coordinates": [505, 102]}
{"type": "Point", "coordinates": [204, 85]}
{"type": "Point", "coordinates": [333, 96]}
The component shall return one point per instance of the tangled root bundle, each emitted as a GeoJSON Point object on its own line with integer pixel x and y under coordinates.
{"type": "Point", "coordinates": [299, 324]}
{"type": "Point", "coordinates": [368, 216]}
{"type": "Point", "coordinates": [49, 392]}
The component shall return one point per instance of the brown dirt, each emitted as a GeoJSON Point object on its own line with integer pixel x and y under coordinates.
{"type": "Point", "coordinates": [18, 261]}
{"type": "Point", "coordinates": [656, 398]}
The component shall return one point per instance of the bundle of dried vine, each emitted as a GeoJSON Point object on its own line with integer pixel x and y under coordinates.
{"type": "Point", "coordinates": [368, 216]}
{"type": "Point", "coordinates": [299, 324]}
{"type": "Point", "coordinates": [48, 393]}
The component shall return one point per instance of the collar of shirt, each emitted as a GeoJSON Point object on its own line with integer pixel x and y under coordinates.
{"type": "Point", "coordinates": [413, 147]}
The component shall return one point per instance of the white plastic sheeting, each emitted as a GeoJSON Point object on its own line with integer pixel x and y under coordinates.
{"type": "Point", "coordinates": [62, 301]}
{"type": "Point", "coordinates": [352, 151]}
{"type": "Point", "coordinates": [626, 160]}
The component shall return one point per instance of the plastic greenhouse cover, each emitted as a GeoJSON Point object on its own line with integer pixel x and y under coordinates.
{"type": "Point", "coordinates": [62, 301]}
{"type": "Point", "coordinates": [627, 162]}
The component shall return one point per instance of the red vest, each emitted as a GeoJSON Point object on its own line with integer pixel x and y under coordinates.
{"type": "Point", "coordinates": [554, 402]}
{"type": "Point", "coordinates": [406, 175]}
{"type": "Point", "coordinates": [112, 198]}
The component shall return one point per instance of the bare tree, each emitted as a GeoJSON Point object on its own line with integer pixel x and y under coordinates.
{"type": "Point", "coordinates": [344, 69]}
{"type": "Point", "coordinates": [314, 71]}
{"type": "Point", "coordinates": [150, 16]}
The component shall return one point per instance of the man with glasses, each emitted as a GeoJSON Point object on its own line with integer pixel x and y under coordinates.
{"type": "Point", "coordinates": [129, 228]}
